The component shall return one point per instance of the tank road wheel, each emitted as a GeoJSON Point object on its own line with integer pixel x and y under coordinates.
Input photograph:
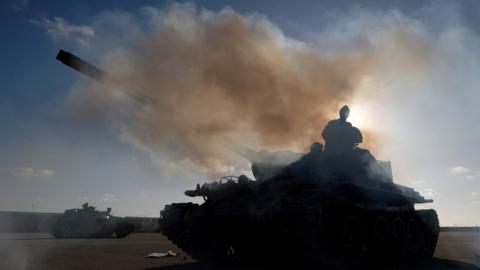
{"type": "Point", "coordinates": [426, 247]}
{"type": "Point", "coordinates": [381, 234]}
{"type": "Point", "coordinates": [429, 230]}
{"type": "Point", "coordinates": [413, 238]}
{"type": "Point", "coordinates": [172, 224]}
{"type": "Point", "coordinates": [399, 243]}
{"type": "Point", "coordinates": [317, 249]}
{"type": "Point", "coordinates": [354, 241]}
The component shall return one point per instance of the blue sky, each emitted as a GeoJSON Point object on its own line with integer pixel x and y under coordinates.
{"type": "Point", "coordinates": [60, 150]}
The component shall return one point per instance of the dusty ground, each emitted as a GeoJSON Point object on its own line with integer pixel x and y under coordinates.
{"type": "Point", "coordinates": [40, 251]}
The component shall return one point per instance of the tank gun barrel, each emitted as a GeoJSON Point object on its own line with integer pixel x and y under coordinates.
{"type": "Point", "coordinates": [201, 191]}
{"type": "Point", "coordinates": [82, 66]}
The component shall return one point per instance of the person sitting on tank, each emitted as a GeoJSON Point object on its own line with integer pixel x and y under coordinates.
{"type": "Point", "coordinates": [340, 135]}
{"type": "Point", "coordinates": [341, 147]}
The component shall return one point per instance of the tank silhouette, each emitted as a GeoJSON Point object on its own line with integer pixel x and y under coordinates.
{"type": "Point", "coordinates": [341, 210]}
{"type": "Point", "coordinates": [86, 222]}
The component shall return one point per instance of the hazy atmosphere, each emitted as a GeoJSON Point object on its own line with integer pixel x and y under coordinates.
{"type": "Point", "coordinates": [268, 75]}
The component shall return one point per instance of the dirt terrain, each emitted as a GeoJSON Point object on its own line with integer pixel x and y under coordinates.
{"type": "Point", "coordinates": [40, 251]}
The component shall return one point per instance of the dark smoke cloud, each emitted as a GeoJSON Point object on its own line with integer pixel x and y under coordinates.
{"type": "Point", "coordinates": [219, 76]}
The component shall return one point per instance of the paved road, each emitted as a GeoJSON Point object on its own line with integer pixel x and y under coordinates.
{"type": "Point", "coordinates": [40, 251]}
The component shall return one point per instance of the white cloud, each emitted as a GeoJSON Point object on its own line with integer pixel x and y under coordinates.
{"type": "Point", "coordinates": [23, 172]}
{"type": "Point", "coordinates": [107, 197]}
{"type": "Point", "coordinates": [27, 172]}
{"type": "Point", "coordinates": [19, 4]}
{"type": "Point", "coordinates": [458, 169]}
{"type": "Point", "coordinates": [61, 30]}
{"type": "Point", "coordinates": [474, 194]}
{"type": "Point", "coordinates": [473, 176]}
{"type": "Point", "coordinates": [46, 172]}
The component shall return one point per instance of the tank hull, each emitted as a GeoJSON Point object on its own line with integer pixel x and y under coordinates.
{"type": "Point", "coordinates": [303, 223]}
{"type": "Point", "coordinates": [340, 211]}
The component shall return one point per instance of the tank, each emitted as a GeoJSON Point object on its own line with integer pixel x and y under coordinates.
{"type": "Point", "coordinates": [341, 211]}
{"type": "Point", "coordinates": [86, 222]}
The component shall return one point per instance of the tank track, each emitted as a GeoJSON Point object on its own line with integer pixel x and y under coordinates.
{"type": "Point", "coordinates": [65, 229]}
{"type": "Point", "coordinates": [360, 238]}
{"type": "Point", "coordinates": [330, 236]}
{"type": "Point", "coordinates": [334, 232]}
{"type": "Point", "coordinates": [173, 226]}
{"type": "Point", "coordinates": [204, 243]}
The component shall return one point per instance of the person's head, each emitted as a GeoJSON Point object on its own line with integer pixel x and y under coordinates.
{"type": "Point", "coordinates": [344, 112]}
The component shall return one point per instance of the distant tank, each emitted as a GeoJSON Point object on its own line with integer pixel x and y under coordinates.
{"type": "Point", "coordinates": [87, 222]}
{"type": "Point", "coordinates": [341, 211]}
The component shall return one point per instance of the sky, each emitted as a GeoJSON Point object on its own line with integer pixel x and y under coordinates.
{"type": "Point", "coordinates": [408, 69]}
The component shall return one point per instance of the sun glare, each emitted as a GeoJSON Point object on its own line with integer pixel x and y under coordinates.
{"type": "Point", "coordinates": [358, 116]}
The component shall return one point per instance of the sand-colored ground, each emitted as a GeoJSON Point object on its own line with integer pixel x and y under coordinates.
{"type": "Point", "coordinates": [40, 251]}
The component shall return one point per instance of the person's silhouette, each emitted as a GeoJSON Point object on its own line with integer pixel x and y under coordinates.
{"type": "Point", "coordinates": [339, 135]}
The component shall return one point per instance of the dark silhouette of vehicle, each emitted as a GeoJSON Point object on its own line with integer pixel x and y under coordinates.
{"type": "Point", "coordinates": [87, 222]}
{"type": "Point", "coordinates": [338, 210]}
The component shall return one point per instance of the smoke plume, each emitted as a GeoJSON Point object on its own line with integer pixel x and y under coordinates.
{"type": "Point", "coordinates": [225, 76]}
